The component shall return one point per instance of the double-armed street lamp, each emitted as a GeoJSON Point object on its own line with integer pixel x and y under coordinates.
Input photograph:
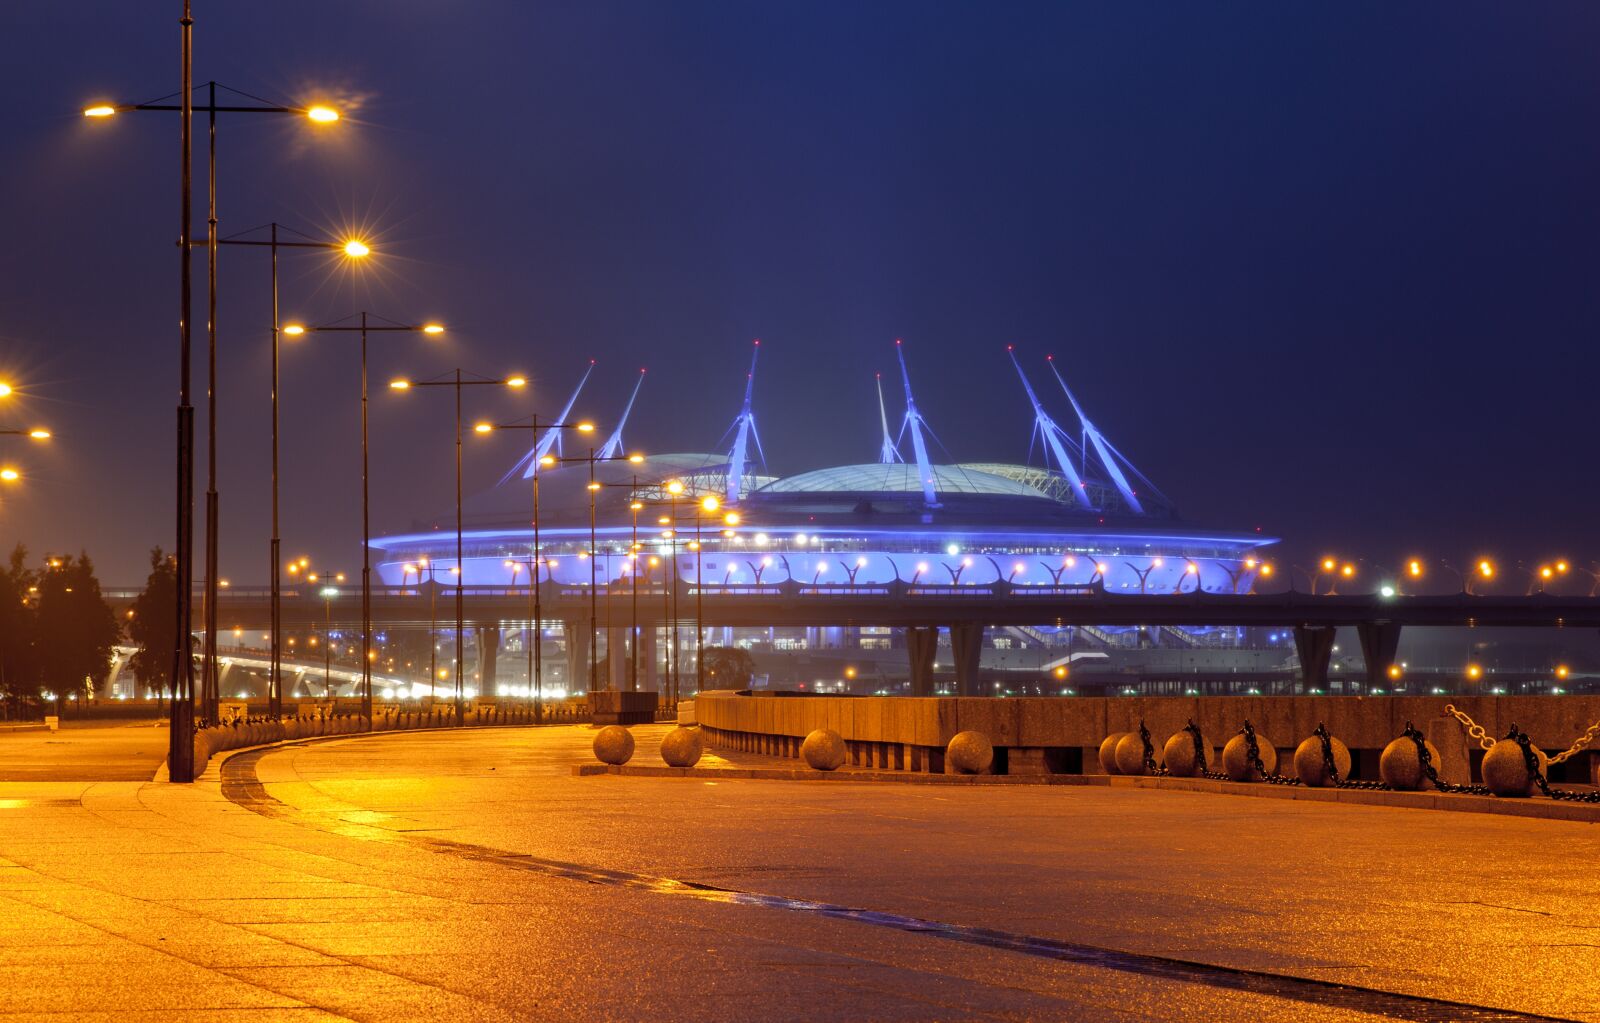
{"type": "Point", "coordinates": [352, 249]}
{"type": "Point", "coordinates": [10, 474]}
{"type": "Point", "coordinates": [537, 565]}
{"type": "Point", "coordinates": [363, 329]}
{"type": "Point", "coordinates": [180, 745]}
{"type": "Point", "coordinates": [707, 505]}
{"type": "Point", "coordinates": [457, 381]}
{"type": "Point", "coordinates": [327, 591]}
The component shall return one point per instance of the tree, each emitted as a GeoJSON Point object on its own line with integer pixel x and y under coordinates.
{"type": "Point", "coordinates": [728, 667]}
{"type": "Point", "coordinates": [16, 626]}
{"type": "Point", "coordinates": [74, 629]}
{"type": "Point", "coordinates": [154, 623]}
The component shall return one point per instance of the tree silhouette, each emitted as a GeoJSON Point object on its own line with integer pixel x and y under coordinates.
{"type": "Point", "coordinates": [155, 622]}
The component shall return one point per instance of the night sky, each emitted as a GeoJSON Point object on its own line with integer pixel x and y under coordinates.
{"type": "Point", "coordinates": [1329, 270]}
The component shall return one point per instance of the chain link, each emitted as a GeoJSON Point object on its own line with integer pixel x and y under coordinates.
{"type": "Point", "coordinates": [1150, 765]}
{"type": "Point", "coordinates": [1531, 759]}
{"type": "Point", "coordinates": [1578, 744]}
{"type": "Point", "coordinates": [1253, 755]}
{"type": "Point", "coordinates": [1426, 760]}
{"type": "Point", "coordinates": [1473, 728]}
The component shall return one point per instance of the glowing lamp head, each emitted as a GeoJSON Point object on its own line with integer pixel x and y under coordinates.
{"type": "Point", "coordinates": [1328, 564]}
{"type": "Point", "coordinates": [294, 329]}
{"type": "Point", "coordinates": [1486, 568]}
{"type": "Point", "coordinates": [1562, 671]}
{"type": "Point", "coordinates": [1414, 568]}
{"type": "Point", "coordinates": [732, 518]}
{"type": "Point", "coordinates": [709, 503]}
{"type": "Point", "coordinates": [1191, 568]}
{"type": "Point", "coordinates": [517, 382]}
{"type": "Point", "coordinates": [585, 427]}
{"type": "Point", "coordinates": [1060, 671]}
{"type": "Point", "coordinates": [635, 505]}
{"type": "Point", "coordinates": [1473, 671]}
{"type": "Point", "coordinates": [636, 459]}
{"type": "Point", "coordinates": [547, 461]}
{"type": "Point", "coordinates": [1102, 568]}
{"type": "Point", "coordinates": [1266, 569]}
{"type": "Point", "coordinates": [5, 389]}
{"type": "Point", "coordinates": [1395, 671]}
{"type": "Point", "coordinates": [1347, 571]}
{"type": "Point", "coordinates": [433, 328]}
{"type": "Point", "coordinates": [356, 249]}
{"type": "Point", "coordinates": [103, 110]}
{"type": "Point", "coordinates": [322, 114]}
{"type": "Point", "coordinates": [39, 433]}
{"type": "Point", "coordinates": [408, 568]}
{"type": "Point", "coordinates": [675, 487]}
{"type": "Point", "coordinates": [400, 385]}
{"type": "Point", "coordinates": [1546, 572]}
{"type": "Point", "coordinates": [594, 486]}
{"type": "Point", "coordinates": [1562, 567]}
{"type": "Point", "coordinates": [483, 428]}
{"type": "Point", "coordinates": [10, 475]}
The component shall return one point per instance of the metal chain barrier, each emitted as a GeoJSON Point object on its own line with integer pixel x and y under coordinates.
{"type": "Point", "coordinates": [1426, 760]}
{"type": "Point", "coordinates": [1252, 751]}
{"type": "Point", "coordinates": [1531, 759]}
{"type": "Point", "coordinates": [1473, 728]}
{"type": "Point", "coordinates": [1477, 732]}
{"type": "Point", "coordinates": [1150, 765]}
{"type": "Point", "coordinates": [1578, 744]}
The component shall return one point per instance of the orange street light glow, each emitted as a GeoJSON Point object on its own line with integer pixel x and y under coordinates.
{"type": "Point", "coordinates": [709, 503]}
{"type": "Point", "coordinates": [517, 382]}
{"type": "Point", "coordinates": [433, 328]}
{"type": "Point", "coordinates": [320, 114]}
{"type": "Point", "coordinates": [1347, 571]}
{"type": "Point", "coordinates": [103, 110]}
{"type": "Point", "coordinates": [1328, 564]}
{"type": "Point", "coordinates": [9, 474]}
{"type": "Point", "coordinates": [5, 390]}
{"type": "Point", "coordinates": [1562, 671]}
{"type": "Point", "coordinates": [39, 433]}
{"type": "Point", "coordinates": [294, 330]}
{"type": "Point", "coordinates": [1473, 671]}
{"type": "Point", "coordinates": [356, 248]}
{"type": "Point", "coordinates": [585, 427]}
{"type": "Point", "coordinates": [636, 459]}
{"type": "Point", "coordinates": [675, 487]}
{"type": "Point", "coordinates": [1486, 568]}
{"type": "Point", "coordinates": [1395, 671]}
{"type": "Point", "coordinates": [1414, 568]}
{"type": "Point", "coordinates": [400, 385]}
{"type": "Point", "coordinates": [482, 428]}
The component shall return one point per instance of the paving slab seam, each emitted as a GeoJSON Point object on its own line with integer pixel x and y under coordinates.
{"type": "Point", "coordinates": [1537, 809]}
{"type": "Point", "coordinates": [241, 785]}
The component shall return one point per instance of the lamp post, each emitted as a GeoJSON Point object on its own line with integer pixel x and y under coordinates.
{"type": "Point", "coordinates": [8, 473]}
{"type": "Point", "coordinates": [352, 248]}
{"type": "Point", "coordinates": [536, 653]}
{"type": "Point", "coordinates": [634, 506]}
{"type": "Point", "coordinates": [180, 746]}
{"type": "Point", "coordinates": [456, 381]}
{"type": "Point", "coordinates": [704, 505]}
{"type": "Point", "coordinates": [295, 330]}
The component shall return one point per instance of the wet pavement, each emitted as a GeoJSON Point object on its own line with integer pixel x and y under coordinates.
{"type": "Point", "coordinates": [470, 875]}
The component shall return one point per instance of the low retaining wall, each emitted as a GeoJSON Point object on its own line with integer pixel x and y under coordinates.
{"type": "Point", "coordinates": [1062, 735]}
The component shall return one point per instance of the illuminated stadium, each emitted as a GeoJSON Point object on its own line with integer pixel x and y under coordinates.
{"type": "Point", "coordinates": [1082, 515]}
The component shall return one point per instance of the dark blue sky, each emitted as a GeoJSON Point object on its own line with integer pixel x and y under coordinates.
{"type": "Point", "coordinates": [1324, 269]}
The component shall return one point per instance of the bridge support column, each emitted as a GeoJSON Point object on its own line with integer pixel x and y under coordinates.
{"type": "Point", "coordinates": [1380, 642]}
{"type": "Point", "coordinates": [922, 642]}
{"type": "Point", "coordinates": [575, 632]}
{"type": "Point", "coordinates": [617, 659]}
{"type": "Point", "coordinates": [488, 660]}
{"type": "Point", "coordinates": [1314, 644]}
{"type": "Point", "coordinates": [966, 643]}
{"type": "Point", "coordinates": [648, 679]}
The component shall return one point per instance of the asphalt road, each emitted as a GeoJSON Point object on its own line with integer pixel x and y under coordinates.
{"type": "Point", "coordinates": [93, 751]}
{"type": "Point", "coordinates": [469, 875]}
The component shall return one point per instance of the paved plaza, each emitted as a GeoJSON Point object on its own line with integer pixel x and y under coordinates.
{"type": "Point", "coordinates": [471, 876]}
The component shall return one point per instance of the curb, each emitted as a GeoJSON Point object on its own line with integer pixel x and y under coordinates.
{"type": "Point", "coordinates": [1533, 808]}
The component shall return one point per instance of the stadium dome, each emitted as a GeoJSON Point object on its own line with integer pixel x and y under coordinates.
{"type": "Point", "coordinates": [897, 478]}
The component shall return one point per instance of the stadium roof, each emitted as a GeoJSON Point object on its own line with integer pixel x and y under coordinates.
{"type": "Point", "coordinates": [896, 478]}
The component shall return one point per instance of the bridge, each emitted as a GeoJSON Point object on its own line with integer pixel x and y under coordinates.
{"type": "Point", "coordinates": [964, 610]}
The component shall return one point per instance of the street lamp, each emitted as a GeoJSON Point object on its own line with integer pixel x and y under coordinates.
{"type": "Point", "coordinates": [457, 382]}
{"type": "Point", "coordinates": [180, 746]}
{"type": "Point", "coordinates": [351, 248]}
{"type": "Point", "coordinates": [536, 560]}
{"type": "Point", "coordinates": [388, 327]}
{"type": "Point", "coordinates": [9, 474]}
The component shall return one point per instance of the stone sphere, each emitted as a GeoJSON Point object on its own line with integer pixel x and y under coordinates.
{"type": "Point", "coordinates": [969, 753]}
{"type": "Point", "coordinates": [1506, 772]}
{"type": "Point", "coordinates": [1108, 752]}
{"type": "Point", "coordinates": [1399, 766]}
{"type": "Point", "coordinates": [681, 747]}
{"type": "Point", "coordinates": [1236, 758]}
{"type": "Point", "coordinates": [1129, 754]}
{"type": "Point", "coordinates": [824, 749]}
{"type": "Point", "coordinates": [1309, 766]}
{"type": "Point", "coordinates": [1178, 755]}
{"type": "Point", "coordinates": [613, 744]}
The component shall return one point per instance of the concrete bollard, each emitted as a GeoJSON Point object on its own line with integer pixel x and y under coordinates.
{"type": "Point", "coordinates": [613, 745]}
{"type": "Point", "coordinates": [1505, 769]}
{"type": "Point", "coordinates": [1312, 769]}
{"type": "Point", "coordinates": [682, 747]}
{"type": "Point", "coordinates": [1178, 755]}
{"type": "Point", "coordinates": [823, 749]}
{"type": "Point", "coordinates": [1108, 752]}
{"type": "Point", "coordinates": [1236, 758]}
{"type": "Point", "coordinates": [969, 753]}
{"type": "Point", "coordinates": [1129, 754]}
{"type": "Point", "coordinates": [1401, 768]}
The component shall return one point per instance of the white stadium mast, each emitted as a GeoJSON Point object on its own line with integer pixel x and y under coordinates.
{"type": "Point", "coordinates": [744, 431]}
{"type": "Point", "coordinates": [915, 423]}
{"type": "Point", "coordinates": [613, 444]}
{"type": "Point", "coordinates": [1055, 438]}
{"type": "Point", "coordinates": [888, 453]}
{"type": "Point", "coordinates": [551, 438]}
{"type": "Point", "coordinates": [1108, 455]}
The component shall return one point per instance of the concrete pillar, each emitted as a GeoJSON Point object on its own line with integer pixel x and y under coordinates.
{"type": "Point", "coordinates": [966, 643]}
{"type": "Point", "coordinates": [922, 642]}
{"type": "Point", "coordinates": [617, 659]}
{"type": "Point", "coordinates": [576, 633]}
{"type": "Point", "coordinates": [648, 680]}
{"type": "Point", "coordinates": [1380, 642]}
{"type": "Point", "coordinates": [1314, 644]}
{"type": "Point", "coordinates": [488, 658]}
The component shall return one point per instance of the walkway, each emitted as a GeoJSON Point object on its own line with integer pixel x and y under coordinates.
{"type": "Point", "coordinates": [470, 876]}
